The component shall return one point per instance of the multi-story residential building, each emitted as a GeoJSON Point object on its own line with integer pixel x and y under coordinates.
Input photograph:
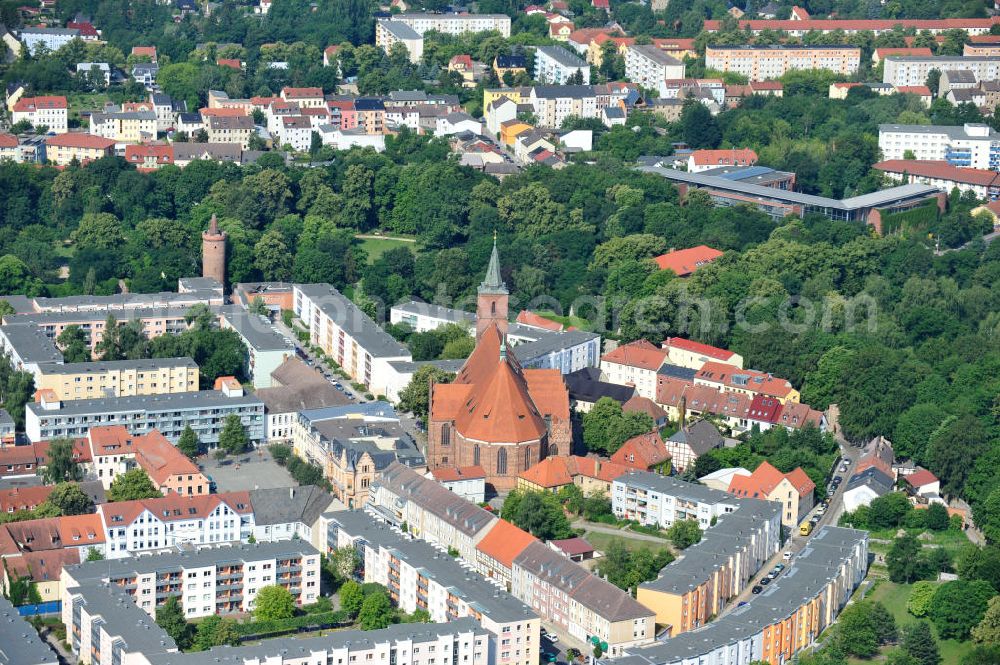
{"type": "Point", "coordinates": [114, 451]}
{"type": "Point", "coordinates": [703, 160]}
{"type": "Point", "coordinates": [557, 66]}
{"type": "Point", "coordinates": [167, 110]}
{"type": "Point", "coordinates": [555, 587]}
{"type": "Point", "coordinates": [124, 127]}
{"type": "Point", "coordinates": [345, 333]}
{"type": "Point", "coordinates": [784, 619]}
{"type": "Point", "coordinates": [634, 364]}
{"type": "Point", "coordinates": [760, 63]}
{"type": "Point", "coordinates": [292, 513]}
{"type": "Point", "coordinates": [799, 27]}
{"type": "Point", "coordinates": [205, 411]}
{"type": "Point", "coordinates": [693, 355]}
{"type": "Point", "coordinates": [590, 474]}
{"type": "Point", "coordinates": [554, 103]}
{"type": "Point", "coordinates": [456, 24]}
{"type": "Point", "coordinates": [206, 580]}
{"type": "Point", "coordinates": [983, 183]}
{"type": "Point", "coordinates": [117, 378]}
{"type": "Point", "coordinates": [304, 97]}
{"type": "Point", "coordinates": [732, 379]}
{"type": "Point", "coordinates": [972, 145]}
{"type": "Point", "coordinates": [154, 524]}
{"type": "Point", "coordinates": [28, 349]}
{"type": "Point", "coordinates": [21, 643]}
{"type": "Point", "coordinates": [295, 131]}
{"type": "Point", "coordinates": [419, 575]}
{"type": "Point", "coordinates": [353, 444]}
{"type": "Point", "coordinates": [266, 349]}
{"type": "Point", "coordinates": [740, 536]}
{"type": "Point", "coordinates": [230, 129]}
{"type": "Point", "coordinates": [154, 321]}
{"type": "Point", "coordinates": [10, 148]}
{"type": "Point", "coordinates": [149, 157]}
{"type": "Point", "coordinates": [910, 70]}
{"type": "Point", "coordinates": [793, 490]}
{"type": "Point", "coordinates": [64, 149]}
{"type": "Point", "coordinates": [50, 39]}
{"type": "Point", "coordinates": [421, 316]}
{"type": "Point", "coordinates": [648, 66]}
{"type": "Point", "coordinates": [51, 112]}
{"type": "Point", "coordinates": [389, 32]}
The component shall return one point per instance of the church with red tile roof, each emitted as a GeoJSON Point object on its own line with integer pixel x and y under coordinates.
{"type": "Point", "coordinates": [496, 414]}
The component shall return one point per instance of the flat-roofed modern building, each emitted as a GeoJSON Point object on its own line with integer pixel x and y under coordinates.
{"type": "Point", "coordinates": [650, 67]}
{"type": "Point", "coordinates": [21, 643]}
{"type": "Point", "coordinates": [557, 66]}
{"type": "Point", "coordinates": [155, 321]}
{"type": "Point", "coordinates": [389, 32]}
{"type": "Point", "coordinates": [785, 618]}
{"type": "Point", "coordinates": [423, 316]}
{"type": "Point", "coordinates": [346, 334]}
{"type": "Point", "coordinates": [911, 70]}
{"type": "Point", "coordinates": [777, 203]}
{"type": "Point", "coordinates": [27, 348]}
{"type": "Point", "coordinates": [266, 348]}
{"type": "Point", "coordinates": [205, 411]}
{"type": "Point", "coordinates": [456, 24]}
{"type": "Point", "coordinates": [972, 145]}
{"type": "Point", "coordinates": [762, 63]}
{"type": "Point", "coordinates": [118, 378]}
{"type": "Point", "coordinates": [419, 575]}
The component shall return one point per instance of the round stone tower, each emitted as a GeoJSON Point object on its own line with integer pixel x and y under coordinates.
{"type": "Point", "coordinates": [213, 252]}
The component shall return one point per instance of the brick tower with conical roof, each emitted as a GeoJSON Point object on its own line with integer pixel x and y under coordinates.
{"type": "Point", "coordinates": [213, 252]}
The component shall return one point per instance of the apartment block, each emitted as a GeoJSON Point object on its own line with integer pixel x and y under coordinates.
{"type": "Point", "coordinates": [155, 322]}
{"type": "Point", "coordinates": [64, 149]}
{"type": "Point", "coordinates": [206, 580]}
{"type": "Point", "coordinates": [761, 63]}
{"type": "Point", "coordinates": [635, 364]}
{"type": "Point", "coordinates": [740, 535]}
{"type": "Point", "coordinates": [154, 524]}
{"type": "Point", "coordinates": [205, 411]}
{"type": "Point", "coordinates": [114, 451]}
{"type": "Point", "coordinates": [266, 348]}
{"type": "Point", "coordinates": [21, 643]}
{"type": "Point", "coordinates": [784, 619]}
{"type": "Point", "coordinates": [971, 146]}
{"type": "Point", "coordinates": [28, 349]}
{"type": "Point", "coordinates": [554, 103]}
{"type": "Point", "coordinates": [230, 129]}
{"type": "Point", "coordinates": [557, 66]}
{"type": "Point", "coordinates": [389, 32]}
{"type": "Point", "coordinates": [456, 24]}
{"type": "Point", "coordinates": [118, 378]}
{"type": "Point", "coordinates": [345, 333]}
{"type": "Point", "coordinates": [125, 127]}
{"type": "Point", "coordinates": [50, 39]}
{"type": "Point", "coordinates": [51, 112]}
{"type": "Point", "coordinates": [903, 70]}
{"type": "Point", "coordinates": [650, 67]}
{"type": "Point", "coordinates": [419, 575]}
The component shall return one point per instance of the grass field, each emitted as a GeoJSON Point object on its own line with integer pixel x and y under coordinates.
{"type": "Point", "coordinates": [602, 541]}
{"type": "Point", "coordinates": [894, 597]}
{"type": "Point", "coordinates": [85, 101]}
{"type": "Point", "coordinates": [377, 246]}
{"type": "Point", "coordinates": [575, 321]}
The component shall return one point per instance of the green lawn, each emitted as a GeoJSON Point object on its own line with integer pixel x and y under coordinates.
{"type": "Point", "coordinates": [376, 247]}
{"type": "Point", "coordinates": [602, 541]}
{"type": "Point", "coordinates": [85, 101]}
{"type": "Point", "coordinates": [894, 596]}
{"type": "Point", "coordinates": [575, 321]}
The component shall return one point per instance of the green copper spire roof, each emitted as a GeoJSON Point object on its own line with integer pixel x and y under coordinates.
{"type": "Point", "coordinates": [493, 284]}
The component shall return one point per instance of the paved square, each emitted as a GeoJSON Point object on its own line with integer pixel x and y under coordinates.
{"type": "Point", "coordinates": [249, 471]}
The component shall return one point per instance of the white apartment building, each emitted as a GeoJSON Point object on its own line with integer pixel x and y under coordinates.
{"type": "Point", "coordinates": [456, 24]}
{"type": "Point", "coordinates": [51, 112]}
{"type": "Point", "coordinates": [153, 524]}
{"type": "Point", "coordinates": [389, 32]}
{"type": "Point", "coordinates": [554, 103]}
{"type": "Point", "coordinates": [555, 65]}
{"type": "Point", "coordinates": [422, 316]}
{"type": "Point", "coordinates": [762, 63]}
{"type": "Point", "coordinates": [910, 70]}
{"type": "Point", "coordinates": [125, 127]}
{"type": "Point", "coordinates": [345, 333]}
{"type": "Point", "coordinates": [51, 39]}
{"type": "Point", "coordinates": [648, 66]}
{"type": "Point", "coordinates": [634, 364]}
{"type": "Point", "coordinates": [972, 145]}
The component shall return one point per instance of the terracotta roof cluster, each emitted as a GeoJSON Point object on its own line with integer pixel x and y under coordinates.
{"type": "Point", "coordinates": [920, 478]}
{"type": "Point", "coordinates": [173, 507]}
{"type": "Point", "coordinates": [24, 498]}
{"type": "Point", "coordinates": [145, 51]}
{"type": "Point", "coordinates": [50, 533]}
{"type": "Point", "coordinates": [559, 470]}
{"type": "Point", "coordinates": [642, 452]}
{"type": "Point", "coordinates": [139, 154]}
{"type": "Point", "coordinates": [461, 61]}
{"type": "Point", "coordinates": [503, 542]}
{"type": "Point", "coordinates": [855, 25]}
{"type": "Point", "coordinates": [940, 170]}
{"type": "Point", "coordinates": [8, 141]}
{"type": "Point", "coordinates": [301, 93]}
{"type": "Point", "coordinates": [493, 399]}
{"type": "Point", "coordinates": [80, 140]}
{"type": "Point", "coordinates": [529, 318]}
{"type": "Point", "coordinates": [684, 262]}
{"type": "Point", "coordinates": [641, 354]}
{"type": "Point", "coordinates": [639, 404]}
{"type": "Point", "coordinates": [30, 104]}
{"type": "Point", "coordinates": [883, 52]}
{"type": "Point", "coordinates": [161, 459]}
{"type": "Point", "coordinates": [921, 90]}
{"type": "Point", "coordinates": [750, 380]}
{"type": "Point", "coordinates": [732, 157]}
{"type": "Point", "coordinates": [765, 478]}
{"type": "Point", "coordinates": [878, 454]}
{"type": "Point", "coordinates": [697, 347]}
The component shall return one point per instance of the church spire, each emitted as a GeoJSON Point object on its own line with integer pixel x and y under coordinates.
{"type": "Point", "coordinates": [493, 284]}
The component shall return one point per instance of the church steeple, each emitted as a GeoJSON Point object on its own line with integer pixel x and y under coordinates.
{"type": "Point", "coordinates": [491, 308]}
{"type": "Point", "coordinates": [493, 284]}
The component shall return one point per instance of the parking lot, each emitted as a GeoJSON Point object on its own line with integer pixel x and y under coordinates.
{"type": "Point", "coordinates": [250, 471]}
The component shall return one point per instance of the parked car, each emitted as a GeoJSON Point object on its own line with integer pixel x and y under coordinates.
{"type": "Point", "coordinates": [765, 581]}
{"type": "Point", "coordinates": [780, 567]}
{"type": "Point", "coordinates": [756, 589]}
{"type": "Point", "coordinates": [787, 555]}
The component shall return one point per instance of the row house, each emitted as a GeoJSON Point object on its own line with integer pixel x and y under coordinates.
{"type": "Point", "coordinates": [230, 129]}
{"type": "Point", "coordinates": [759, 63]}
{"type": "Point", "coordinates": [152, 524]}
{"type": "Point", "coordinates": [114, 451]}
{"type": "Point", "coordinates": [125, 126]}
{"type": "Point", "coordinates": [740, 535]}
{"type": "Point", "coordinates": [64, 149]}
{"type": "Point", "coordinates": [787, 617]}
{"type": "Point", "coordinates": [149, 156]}
{"type": "Point", "coordinates": [420, 576]}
